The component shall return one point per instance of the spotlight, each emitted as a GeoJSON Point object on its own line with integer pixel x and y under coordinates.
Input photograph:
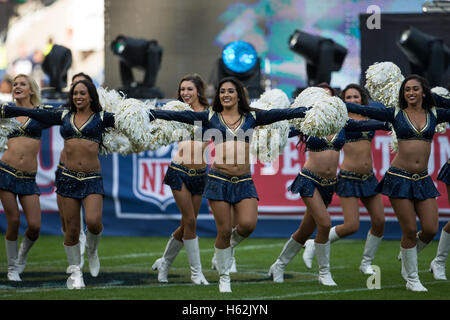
{"type": "Point", "coordinates": [55, 65]}
{"type": "Point", "coordinates": [322, 55]}
{"type": "Point", "coordinates": [428, 56]}
{"type": "Point", "coordinates": [240, 60]}
{"type": "Point", "coordinates": [140, 54]}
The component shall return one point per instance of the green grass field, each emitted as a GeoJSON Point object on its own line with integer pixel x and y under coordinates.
{"type": "Point", "coordinates": [126, 273]}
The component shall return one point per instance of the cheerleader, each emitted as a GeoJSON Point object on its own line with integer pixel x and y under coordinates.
{"type": "Point", "coordinates": [229, 184]}
{"type": "Point", "coordinates": [75, 78]}
{"type": "Point", "coordinates": [407, 183]}
{"type": "Point", "coordinates": [81, 181]}
{"type": "Point", "coordinates": [316, 184]}
{"type": "Point", "coordinates": [18, 167]}
{"type": "Point", "coordinates": [356, 181]}
{"type": "Point", "coordinates": [186, 176]}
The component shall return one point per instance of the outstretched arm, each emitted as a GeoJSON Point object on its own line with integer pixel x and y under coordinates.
{"type": "Point", "coordinates": [441, 102]}
{"type": "Point", "coordinates": [186, 116]}
{"type": "Point", "coordinates": [376, 111]}
{"type": "Point", "coordinates": [264, 117]}
{"type": "Point", "coordinates": [47, 116]}
{"type": "Point", "coordinates": [366, 125]}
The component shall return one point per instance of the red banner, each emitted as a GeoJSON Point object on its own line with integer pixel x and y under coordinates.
{"type": "Point", "coordinates": [272, 180]}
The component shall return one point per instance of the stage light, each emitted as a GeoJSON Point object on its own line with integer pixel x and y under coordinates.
{"type": "Point", "coordinates": [427, 55]}
{"type": "Point", "coordinates": [141, 54]}
{"type": "Point", "coordinates": [56, 64]}
{"type": "Point", "coordinates": [322, 55]}
{"type": "Point", "coordinates": [240, 60]}
{"type": "Point", "coordinates": [239, 56]}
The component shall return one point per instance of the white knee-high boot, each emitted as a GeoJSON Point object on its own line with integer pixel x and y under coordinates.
{"type": "Point", "coordinates": [75, 280]}
{"type": "Point", "coordinates": [308, 254]}
{"type": "Point", "coordinates": [81, 254]}
{"type": "Point", "coordinates": [290, 250]}
{"type": "Point", "coordinates": [323, 260]}
{"type": "Point", "coordinates": [409, 260]}
{"type": "Point", "coordinates": [162, 264]}
{"type": "Point", "coordinates": [370, 248]}
{"type": "Point", "coordinates": [12, 254]}
{"type": "Point", "coordinates": [437, 266]}
{"type": "Point", "coordinates": [235, 239]}
{"type": "Point", "coordinates": [25, 246]}
{"type": "Point", "coordinates": [92, 241]}
{"type": "Point", "coordinates": [224, 257]}
{"type": "Point", "coordinates": [420, 245]}
{"type": "Point", "coordinates": [193, 254]}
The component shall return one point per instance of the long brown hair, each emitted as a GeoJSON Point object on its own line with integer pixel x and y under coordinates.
{"type": "Point", "coordinates": [243, 104]}
{"type": "Point", "coordinates": [199, 84]}
{"type": "Point", "coordinates": [362, 92]}
{"type": "Point", "coordinates": [95, 101]}
{"type": "Point", "coordinates": [427, 101]}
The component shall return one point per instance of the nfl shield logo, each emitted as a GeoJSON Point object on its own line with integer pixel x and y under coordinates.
{"type": "Point", "coordinates": [149, 169]}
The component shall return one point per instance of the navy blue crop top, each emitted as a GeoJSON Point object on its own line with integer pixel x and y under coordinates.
{"type": "Point", "coordinates": [317, 144]}
{"type": "Point", "coordinates": [214, 120]}
{"type": "Point", "coordinates": [402, 125]}
{"type": "Point", "coordinates": [92, 129]}
{"type": "Point", "coordinates": [31, 128]}
{"type": "Point", "coordinates": [353, 136]}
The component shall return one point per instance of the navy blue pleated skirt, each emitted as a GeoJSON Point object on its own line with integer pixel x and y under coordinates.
{"type": "Point", "coordinates": [352, 184]}
{"type": "Point", "coordinates": [16, 181]}
{"type": "Point", "coordinates": [306, 182]}
{"type": "Point", "coordinates": [398, 183]}
{"type": "Point", "coordinates": [194, 180]}
{"type": "Point", "coordinates": [79, 185]}
{"type": "Point", "coordinates": [58, 171]}
{"type": "Point", "coordinates": [444, 173]}
{"type": "Point", "coordinates": [232, 189]}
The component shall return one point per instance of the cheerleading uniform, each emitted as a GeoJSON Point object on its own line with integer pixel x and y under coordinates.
{"type": "Point", "coordinates": [11, 179]}
{"type": "Point", "coordinates": [71, 184]}
{"type": "Point", "coordinates": [306, 181]}
{"type": "Point", "coordinates": [398, 183]}
{"type": "Point", "coordinates": [220, 186]}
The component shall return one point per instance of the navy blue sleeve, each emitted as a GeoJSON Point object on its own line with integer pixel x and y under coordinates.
{"type": "Point", "coordinates": [366, 125]}
{"type": "Point", "coordinates": [374, 110]}
{"type": "Point", "coordinates": [187, 116]}
{"type": "Point", "coordinates": [442, 115]}
{"type": "Point", "coordinates": [264, 117]}
{"type": "Point", "coordinates": [441, 102]}
{"type": "Point", "coordinates": [108, 119]}
{"type": "Point", "coordinates": [50, 116]}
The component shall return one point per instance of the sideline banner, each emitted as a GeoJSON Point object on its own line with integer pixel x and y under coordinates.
{"type": "Point", "coordinates": [138, 203]}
